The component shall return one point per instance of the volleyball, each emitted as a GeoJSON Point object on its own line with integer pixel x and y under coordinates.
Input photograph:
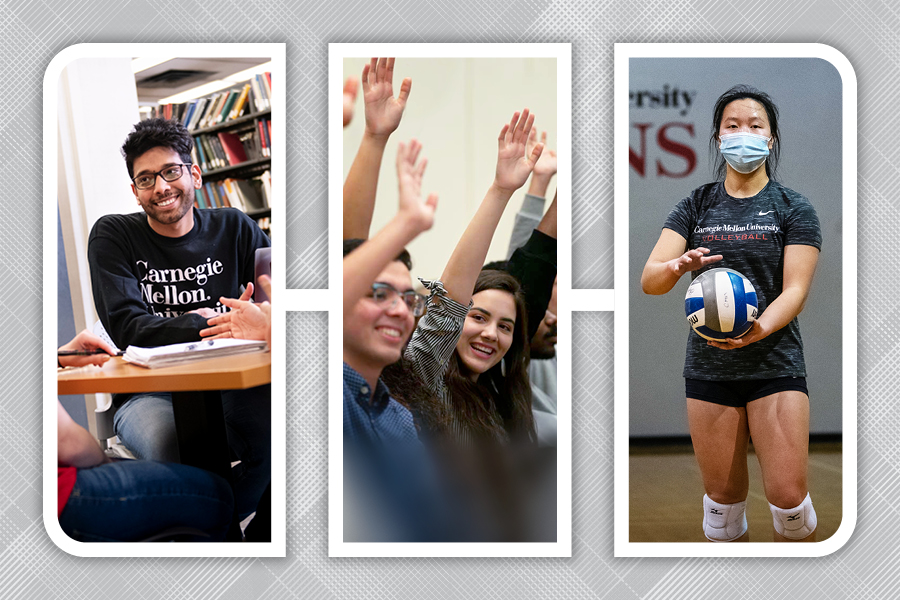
{"type": "Point", "coordinates": [720, 304]}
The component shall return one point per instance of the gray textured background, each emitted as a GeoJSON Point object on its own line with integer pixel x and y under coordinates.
{"type": "Point", "coordinates": [867, 32]}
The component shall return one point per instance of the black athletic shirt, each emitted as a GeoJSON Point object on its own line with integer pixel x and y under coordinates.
{"type": "Point", "coordinates": [750, 233]}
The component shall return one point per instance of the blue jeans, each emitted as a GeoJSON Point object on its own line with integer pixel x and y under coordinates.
{"type": "Point", "coordinates": [131, 500]}
{"type": "Point", "coordinates": [146, 425]}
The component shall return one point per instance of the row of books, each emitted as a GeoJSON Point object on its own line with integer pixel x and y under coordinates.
{"type": "Point", "coordinates": [254, 96]}
{"type": "Point", "coordinates": [246, 194]}
{"type": "Point", "coordinates": [229, 148]}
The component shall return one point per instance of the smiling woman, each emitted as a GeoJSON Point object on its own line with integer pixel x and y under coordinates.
{"type": "Point", "coordinates": [488, 331]}
{"type": "Point", "coordinates": [469, 350]}
{"type": "Point", "coordinates": [488, 377]}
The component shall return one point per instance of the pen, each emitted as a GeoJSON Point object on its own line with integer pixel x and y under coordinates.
{"type": "Point", "coordinates": [86, 352]}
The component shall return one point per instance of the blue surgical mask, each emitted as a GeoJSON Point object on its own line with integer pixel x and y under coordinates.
{"type": "Point", "coordinates": [745, 152]}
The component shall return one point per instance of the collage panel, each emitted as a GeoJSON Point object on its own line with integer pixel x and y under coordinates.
{"type": "Point", "coordinates": [163, 187]}
{"type": "Point", "coordinates": [738, 188]}
{"type": "Point", "coordinates": [452, 440]}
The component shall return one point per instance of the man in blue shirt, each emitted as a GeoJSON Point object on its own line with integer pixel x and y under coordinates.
{"type": "Point", "coordinates": [383, 456]}
{"type": "Point", "coordinates": [375, 332]}
{"type": "Point", "coordinates": [389, 488]}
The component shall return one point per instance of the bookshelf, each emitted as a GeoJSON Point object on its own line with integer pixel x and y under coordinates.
{"type": "Point", "coordinates": [232, 145]}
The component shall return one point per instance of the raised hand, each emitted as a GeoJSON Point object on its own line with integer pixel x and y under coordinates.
{"type": "Point", "coordinates": [383, 111]}
{"type": "Point", "coordinates": [513, 164]}
{"type": "Point", "coordinates": [409, 177]}
{"type": "Point", "coordinates": [546, 164]}
{"type": "Point", "coordinates": [693, 260]}
{"type": "Point", "coordinates": [351, 88]}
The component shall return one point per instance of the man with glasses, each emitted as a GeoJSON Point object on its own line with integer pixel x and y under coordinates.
{"type": "Point", "coordinates": [157, 277]}
{"type": "Point", "coordinates": [376, 329]}
{"type": "Point", "coordinates": [390, 489]}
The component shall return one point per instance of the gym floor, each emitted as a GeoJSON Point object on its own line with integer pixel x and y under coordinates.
{"type": "Point", "coordinates": [667, 477]}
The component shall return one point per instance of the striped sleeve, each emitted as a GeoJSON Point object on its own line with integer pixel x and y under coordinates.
{"type": "Point", "coordinates": [434, 340]}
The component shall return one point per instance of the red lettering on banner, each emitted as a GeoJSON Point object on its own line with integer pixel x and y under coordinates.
{"type": "Point", "coordinates": [676, 148]}
{"type": "Point", "coordinates": [637, 161]}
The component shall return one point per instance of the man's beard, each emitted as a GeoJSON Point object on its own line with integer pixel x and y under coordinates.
{"type": "Point", "coordinates": [542, 351]}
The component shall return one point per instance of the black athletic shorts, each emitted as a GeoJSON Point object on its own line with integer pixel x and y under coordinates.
{"type": "Point", "coordinates": [739, 392]}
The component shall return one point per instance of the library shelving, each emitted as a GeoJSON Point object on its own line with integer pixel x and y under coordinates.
{"type": "Point", "coordinates": [232, 134]}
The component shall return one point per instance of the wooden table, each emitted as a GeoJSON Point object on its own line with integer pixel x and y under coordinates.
{"type": "Point", "coordinates": [195, 387]}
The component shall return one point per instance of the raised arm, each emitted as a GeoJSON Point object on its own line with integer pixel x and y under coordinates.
{"type": "Point", "coordinates": [534, 265]}
{"type": "Point", "coordinates": [383, 112]}
{"type": "Point", "coordinates": [513, 168]}
{"type": "Point", "coordinates": [544, 168]}
{"type": "Point", "coordinates": [799, 267]}
{"type": "Point", "coordinates": [414, 216]}
{"type": "Point", "coordinates": [669, 261]}
{"type": "Point", "coordinates": [548, 221]}
{"type": "Point", "coordinates": [529, 216]}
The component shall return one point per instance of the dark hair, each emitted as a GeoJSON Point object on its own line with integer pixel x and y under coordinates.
{"type": "Point", "coordinates": [740, 92]}
{"type": "Point", "coordinates": [497, 265]}
{"type": "Point", "coordinates": [509, 396]}
{"type": "Point", "coordinates": [353, 243]}
{"type": "Point", "coordinates": [155, 133]}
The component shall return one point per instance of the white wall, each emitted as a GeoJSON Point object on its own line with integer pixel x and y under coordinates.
{"type": "Point", "coordinates": [457, 108]}
{"type": "Point", "coordinates": [98, 107]}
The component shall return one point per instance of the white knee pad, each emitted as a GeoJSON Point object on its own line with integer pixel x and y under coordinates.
{"type": "Point", "coordinates": [795, 523]}
{"type": "Point", "coordinates": [723, 522]}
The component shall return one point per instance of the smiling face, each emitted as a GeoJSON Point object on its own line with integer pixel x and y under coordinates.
{"type": "Point", "coordinates": [168, 204]}
{"type": "Point", "coordinates": [488, 331]}
{"type": "Point", "coordinates": [746, 116]}
{"type": "Point", "coordinates": [374, 336]}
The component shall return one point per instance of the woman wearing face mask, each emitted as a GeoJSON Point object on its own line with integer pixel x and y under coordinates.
{"type": "Point", "coordinates": [754, 385]}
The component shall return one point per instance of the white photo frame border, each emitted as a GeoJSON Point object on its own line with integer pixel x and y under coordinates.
{"type": "Point", "coordinates": [336, 546]}
{"type": "Point", "coordinates": [276, 52]}
{"type": "Point", "coordinates": [623, 53]}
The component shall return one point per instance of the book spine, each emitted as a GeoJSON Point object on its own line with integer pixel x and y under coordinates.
{"type": "Point", "coordinates": [226, 108]}
{"type": "Point", "coordinates": [267, 80]}
{"type": "Point", "coordinates": [260, 130]}
{"type": "Point", "coordinates": [239, 105]}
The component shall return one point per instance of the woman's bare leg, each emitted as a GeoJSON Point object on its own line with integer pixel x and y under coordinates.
{"type": "Point", "coordinates": [779, 425]}
{"type": "Point", "coordinates": [720, 436]}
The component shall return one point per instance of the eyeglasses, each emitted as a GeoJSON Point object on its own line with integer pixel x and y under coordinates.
{"type": "Point", "coordinates": [386, 297]}
{"type": "Point", "coordinates": [145, 181]}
